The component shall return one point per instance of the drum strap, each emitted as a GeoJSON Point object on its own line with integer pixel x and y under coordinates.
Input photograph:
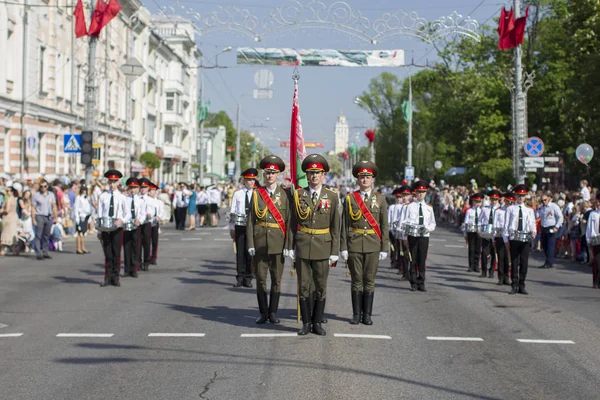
{"type": "Point", "coordinates": [367, 214]}
{"type": "Point", "coordinates": [132, 207]}
{"type": "Point", "coordinates": [491, 221]}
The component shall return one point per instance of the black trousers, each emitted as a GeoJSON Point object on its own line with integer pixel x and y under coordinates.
{"type": "Point", "coordinates": [180, 215]}
{"type": "Point", "coordinates": [154, 242]}
{"type": "Point", "coordinates": [394, 253]}
{"type": "Point", "coordinates": [503, 260]}
{"type": "Point", "coordinates": [404, 259]}
{"type": "Point", "coordinates": [418, 251]}
{"type": "Point", "coordinates": [131, 250]}
{"type": "Point", "coordinates": [145, 232]}
{"type": "Point", "coordinates": [519, 255]}
{"type": "Point", "coordinates": [111, 245]}
{"type": "Point", "coordinates": [474, 243]}
{"type": "Point", "coordinates": [488, 255]}
{"type": "Point", "coordinates": [243, 259]}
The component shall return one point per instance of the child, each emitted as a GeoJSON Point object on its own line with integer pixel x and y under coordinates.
{"type": "Point", "coordinates": [56, 234]}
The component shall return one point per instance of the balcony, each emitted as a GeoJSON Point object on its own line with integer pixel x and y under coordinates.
{"type": "Point", "coordinates": [171, 85]}
{"type": "Point", "coordinates": [172, 151]}
{"type": "Point", "coordinates": [172, 118]}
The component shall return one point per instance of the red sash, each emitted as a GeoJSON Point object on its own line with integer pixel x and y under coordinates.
{"type": "Point", "coordinates": [368, 216]}
{"type": "Point", "coordinates": [272, 209]}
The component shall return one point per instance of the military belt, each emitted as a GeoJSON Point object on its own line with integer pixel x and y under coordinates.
{"type": "Point", "coordinates": [364, 231]}
{"type": "Point", "coordinates": [268, 224]}
{"type": "Point", "coordinates": [311, 231]}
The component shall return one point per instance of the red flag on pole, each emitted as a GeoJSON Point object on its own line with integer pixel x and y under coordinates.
{"type": "Point", "coordinates": [104, 12]}
{"type": "Point", "coordinates": [506, 25]}
{"type": "Point", "coordinates": [519, 32]}
{"type": "Point", "coordinates": [80, 28]}
{"type": "Point", "coordinates": [297, 149]}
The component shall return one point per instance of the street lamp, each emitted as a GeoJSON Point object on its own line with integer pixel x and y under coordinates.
{"type": "Point", "coordinates": [201, 152]}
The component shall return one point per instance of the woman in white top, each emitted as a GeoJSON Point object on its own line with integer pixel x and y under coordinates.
{"type": "Point", "coordinates": [166, 202]}
{"type": "Point", "coordinates": [201, 204]}
{"type": "Point", "coordinates": [83, 212]}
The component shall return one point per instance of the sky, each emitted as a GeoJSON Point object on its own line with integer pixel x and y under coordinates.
{"type": "Point", "coordinates": [323, 91]}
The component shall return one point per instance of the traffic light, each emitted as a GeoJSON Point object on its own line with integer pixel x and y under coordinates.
{"type": "Point", "coordinates": [87, 137]}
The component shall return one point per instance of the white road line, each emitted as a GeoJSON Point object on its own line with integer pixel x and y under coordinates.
{"type": "Point", "coordinates": [360, 336]}
{"type": "Point", "coordinates": [262, 335]}
{"type": "Point", "coordinates": [545, 341]}
{"type": "Point", "coordinates": [170, 234]}
{"type": "Point", "coordinates": [455, 338]}
{"type": "Point", "coordinates": [4, 335]}
{"type": "Point", "coordinates": [163, 239]}
{"type": "Point", "coordinates": [456, 246]}
{"type": "Point", "coordinates": [95, 335]}
{"type": "Point", "coordinates": [184, 239]}
{"type": "Point", "coordinates": [176, 334]}
{"type": "Point", "coordinates": [223, 240]}
{"type": "Point", "coordinates": [436, 240]}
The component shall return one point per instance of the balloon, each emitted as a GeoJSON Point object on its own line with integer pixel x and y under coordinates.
{"type": "Point", "coordinates": [437, 164]}
{"type": "Point", "coordinates": [584, 153]}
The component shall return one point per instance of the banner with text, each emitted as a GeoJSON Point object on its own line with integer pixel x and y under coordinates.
{"type": "Point", "coordinates": [320, 57]}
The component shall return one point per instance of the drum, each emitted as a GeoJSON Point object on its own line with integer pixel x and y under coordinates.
{"type": "Point", "coordinates": [129, 226]}
{"type": "Point", "coordinates": [595, 240]}
{"type": "Point", "coordinates": [486, 231]}
{"type": "Point", "coordinates": [106, 224]}
{"type": "Point", "coordinates": [470, 228]}
{"type": "Point", "coordinates": [498, 232]}
{"type": "Point", "coordinates": [240, 219]}
{"type": "Point", "coordinates": [153, 222]}
{"type": "Point", "coordinates": [414, 230]}
{"type": "Point", "coordinates": [520, 236]}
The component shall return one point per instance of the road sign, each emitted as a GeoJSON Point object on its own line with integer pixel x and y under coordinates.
{"type": "Point", "coordinates": [534, 147]}
{"type": "Point", "coordinates": [534, 162]}
{"type": "Point", "coordinates": [230, 168]}
{"type": "Point", "coordinates": [409, 173]}
{"type": "Point", "coordinates": [551, 169]}
{"type": "Point", "coordinates": [72, 143]}
{"type": "Point", "coordinates": [96, 151]}
{"type": "Point", "coordinates": [551, 159]}
{"type": "Point", "coordinates": [531, 170]}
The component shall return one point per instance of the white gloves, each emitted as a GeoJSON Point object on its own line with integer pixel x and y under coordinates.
{"type": "Point", "coordinates": [333, 259]}
{"type": "Point", "coordinates": [252, 251]}
{"type": "Point", "coordinates": [382, 255]}
{"type": "Point", "coordinates": [344, 255]}
{"type": "Point", "coordinates": [291, 254]}
{"type": "Point", "coordinates": [285, 252]}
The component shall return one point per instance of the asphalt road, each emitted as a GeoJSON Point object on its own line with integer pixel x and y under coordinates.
{"type": "Point", "coordinates": [461, 339]}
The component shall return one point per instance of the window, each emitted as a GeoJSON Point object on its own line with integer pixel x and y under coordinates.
{"type": "Point", "coordinates": [66, 72]}
{"type": "Point", "coordinates": [11, 42]}
{"type": "Point", "coordinates": [151, 128]}
{"type": "Point", "coordinates": [171, 99]}
{"type": "Point", "coordinates": [169, 134]}
{"type": "Point", "coordinates": [80, 84]}
{"type": "Point", "coordinates": [42, 84]}
{"type": "Point", "coordinates": [58, 89]}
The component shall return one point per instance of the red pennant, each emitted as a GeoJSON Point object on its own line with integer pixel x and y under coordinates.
{"type": "Point", "coordinates": [104, 12]}
{"type": "Point", "coordinates": [80, 28]}
{"type": "Point", "coordinates": [520, 24]}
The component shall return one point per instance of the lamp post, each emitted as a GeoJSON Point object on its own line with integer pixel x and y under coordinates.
{"type": "Point", "coordinates": [205, 110]}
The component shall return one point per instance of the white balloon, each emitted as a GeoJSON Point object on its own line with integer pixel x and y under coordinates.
{"type": "Point", "coordinates": [584, 153]}
{"type": "Point", "coordinates": [437, 164]}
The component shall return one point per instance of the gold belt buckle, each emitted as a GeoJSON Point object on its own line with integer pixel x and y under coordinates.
{"type": "Point", "coordinates": [365, 231]}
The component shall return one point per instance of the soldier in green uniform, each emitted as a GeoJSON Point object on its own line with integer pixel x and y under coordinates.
{"type": "Point", "coordinates": [364, 240]}
{"type": "Point", "coordinates": [268, 235]}
{"type": "Point", "coordinates": [316, 230]}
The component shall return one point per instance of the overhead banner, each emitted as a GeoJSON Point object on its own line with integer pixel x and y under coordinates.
{"type": "Point", "coordinates": [320, 57]}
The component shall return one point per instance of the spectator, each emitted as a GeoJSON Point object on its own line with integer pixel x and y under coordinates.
{"type": "Point", "coordinates": [165, 198]}
{"type": "Point", "coordinates": [214, 198]}
{"type": "Point", "coordinates": [56, 235]}
{"type": "Point", "coordinates": [191, 210]}
{"type": "Point", "coordinates": [44, 209]}
{"type": "Point", "coordinates": [585, 191]}
{"type": "Point", "coordinates": [201, 205]}
{"type": "Point", "coordinates": [82, 211]}
{"type": "Point", "coordinates": [9, 221]}
{"type": "Point", "coordinates": [27, 225]}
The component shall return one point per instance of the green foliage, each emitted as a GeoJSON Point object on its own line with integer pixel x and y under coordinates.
{"type": "Point", "coordinates": [150, 160]}
{"type": "Point", "coordinates": [335, 165]}
{"type": "Point", "coordinates": [462, 106]}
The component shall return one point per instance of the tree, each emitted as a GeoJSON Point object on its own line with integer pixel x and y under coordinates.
{"type": "Point", "coordinates": [335, 165]}
{"type": "Point", "coordinates": [221, 118]}
{"type": "Point", "coordinates": [150, 160]}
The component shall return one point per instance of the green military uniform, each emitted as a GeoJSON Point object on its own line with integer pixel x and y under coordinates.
{"type": "Point", "coordinates": [316, 242]}
{"type": "Point", "coordinates": [268, 239]}
{"type": "Point", "coordinates": [362, 244]}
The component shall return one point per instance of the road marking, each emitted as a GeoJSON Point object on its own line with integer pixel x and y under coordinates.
{"type": "Point", "coordinates": [3, 335]}
{"type": "Point", "coordinates": [184, 239]}
{"type": "Point", "coordinates": [176, 334]}
{"type": "Point", "coordinates": [436, 240]}
{"type": "Point", "coordinates": [170, 234]}
{"type": "Point", "coordinates": [455, 338]}
{"type": "Point", "coordinates": [96, 335]}
{"type": "Point", "coordinates": [223, 240]}
{"type": "Point", "coordinates": [163, 239]}
{"type": "Point", "coordinates": [545, 341]}
{"type": "Point", "coordinates": [261, 335]}
{"type": "Point", "coordinates": [456, 246]}
{"type": "Point", "coordinates": [356, 335]}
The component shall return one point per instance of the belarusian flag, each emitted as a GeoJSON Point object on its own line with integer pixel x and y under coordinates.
{"type": "Point", "coordinates": [297, 150]}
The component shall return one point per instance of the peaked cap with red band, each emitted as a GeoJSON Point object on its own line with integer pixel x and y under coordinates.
{"type": "Point", "coordinates": [132, 182]}
{"type": "Point", "coordinates": [315, 163]}
{"type": "Point", "coordinates": [509, 196]}
{"type": "Point", "coordinates": [272, 164]}
{"type": "Point", "coordinates": [152, 186]}
{"type": "Point", "coordinates": [365, 168]}
{"type": "Point", "coordinates": [113, 175]}
{"type": "Point", "coordinates": [144, 182]}
{"type": "Point", "coordinates": [420, 186]}
{"type": "Point", "coordinates": [250, 173]}
{"type": "Point", "coordinates": [494, 194]}
{"type": "Point", "coordinates": [521, 189]}
{"type": "Point", "coordinates": [477, 197]}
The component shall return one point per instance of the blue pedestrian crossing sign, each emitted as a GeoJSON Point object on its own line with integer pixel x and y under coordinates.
{"type": "Point", "coordinates": [72, 143]}
{"type": "Point", "coordinates": [534, 147]}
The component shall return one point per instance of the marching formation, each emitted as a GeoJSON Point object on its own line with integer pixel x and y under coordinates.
{"type": "Point", "coordinates": [314, 227]}
{"type": "Point", "coordinates": [129, 221]}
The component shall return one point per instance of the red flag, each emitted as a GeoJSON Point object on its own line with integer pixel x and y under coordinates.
{"type": "Point", "coordinates": [370, 135]}
{"type": "Point", "coordinates": [297, 149]}
{"type": "Point", "coordinates": [80, 28]}
{"type": "Point", "coordinates": [506, 26]}
{"type": "Point", "coordinates": [519, 32]}
{"type": "Point", "coordinates": [104, 12]}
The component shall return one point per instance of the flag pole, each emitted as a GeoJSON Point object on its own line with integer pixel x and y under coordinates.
{"type": "Point", "coordinates": [293, 169]}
